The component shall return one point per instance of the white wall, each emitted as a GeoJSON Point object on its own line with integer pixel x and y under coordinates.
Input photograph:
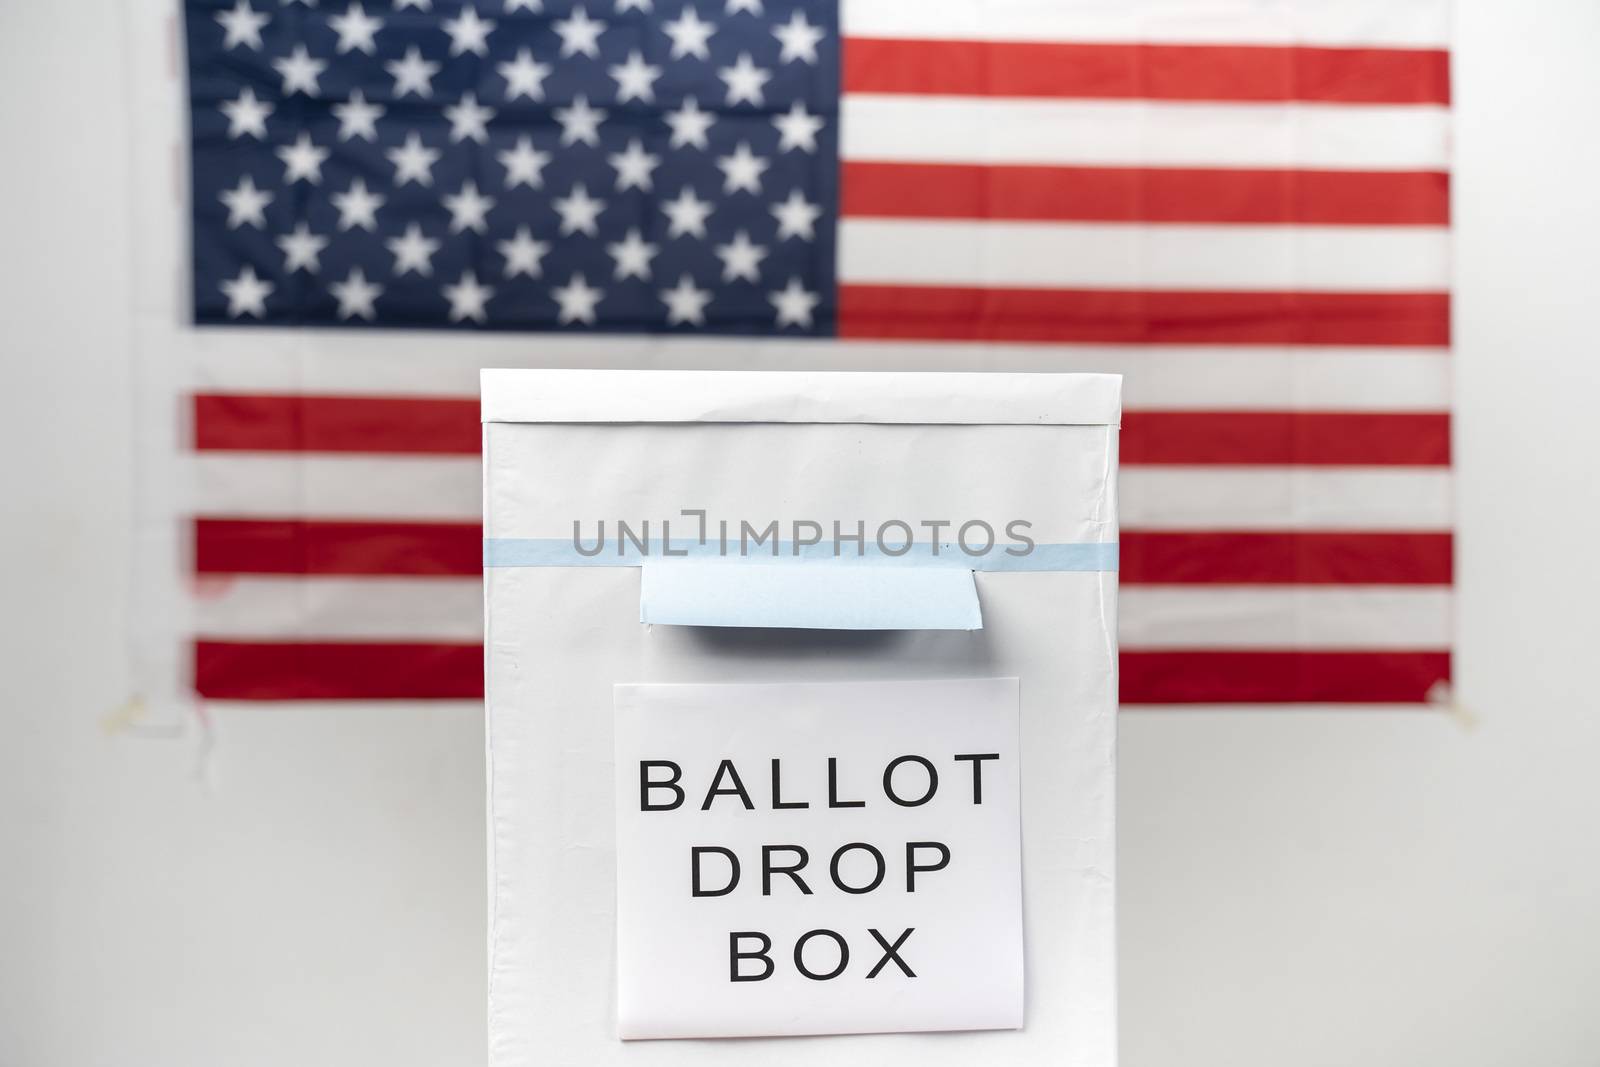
{"type": "Point", "coordinates": [1296, 889]}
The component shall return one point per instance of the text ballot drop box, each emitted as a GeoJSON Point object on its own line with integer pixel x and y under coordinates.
{"type": "Point", "coordinates": [801, 695]}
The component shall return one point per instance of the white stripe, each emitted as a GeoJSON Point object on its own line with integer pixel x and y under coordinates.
{"type": "Point", "coordinates": [1269, 379]}
{"type": "Point", "coordinates": [1188, 377]}
{"type": "Point", "coordinates": [1121, 256]}
{"type": "Point", "coordinates": [950, 129]}
{"type": "Point", "coordinates": [250, 485]}
{"type": "Point", "coordinates": [1392, 23]}
{"type": "Point", "coordinates": [1360, 617]}
{"type": "Point", "coordinates": [1285, 498]}
{"type": "Point", "coordinates": [451, 609]}
{"type": "Point", "coordinates": [1155, 497]}
{"type": "Point", "coordinates": [439, 609]}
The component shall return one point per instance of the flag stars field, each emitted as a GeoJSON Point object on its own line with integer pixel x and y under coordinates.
{"type": "Point", "coordinates": [448, 124]}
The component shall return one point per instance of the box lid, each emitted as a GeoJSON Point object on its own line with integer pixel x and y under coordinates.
{"type": "Point", "coordinates": [921, 397]}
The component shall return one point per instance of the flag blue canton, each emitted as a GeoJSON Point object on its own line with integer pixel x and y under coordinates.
{"type": "Point", "coordinates": [633, 165]}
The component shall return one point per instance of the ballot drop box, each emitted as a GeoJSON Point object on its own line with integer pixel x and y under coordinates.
{"type": "Point", "coordinates": [801, 697]}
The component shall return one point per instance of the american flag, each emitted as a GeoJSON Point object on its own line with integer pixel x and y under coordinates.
{"type": "Point", "coordinates": [1241, 205]}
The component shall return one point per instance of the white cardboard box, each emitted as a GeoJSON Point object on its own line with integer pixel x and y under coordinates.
{"type": "Point", "coordinates": [968, 451]}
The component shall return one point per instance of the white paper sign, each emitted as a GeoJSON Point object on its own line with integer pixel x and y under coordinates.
{"type": "Point", "coordinates": [818, 858]}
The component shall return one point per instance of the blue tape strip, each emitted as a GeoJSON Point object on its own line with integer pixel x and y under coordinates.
{"type": "Point", "coordinates": [560, 552]}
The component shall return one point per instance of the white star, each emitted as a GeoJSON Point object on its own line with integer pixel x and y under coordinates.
{"type": "Point", "coordinates": [246, 114]}
{"type": "Point", "coordinates": [689, 124]}
{"type": "Point", "coordinates": [412, 73]}
{"type": "Point", "coordinates": [633, 255]}
{"type": "Point", "coordinates": [624, 5]}
{"type": "Point", "coordinates": [797, 128]}
{"type": "Point", "coordinates": [420, 5]}
{"type": "Point", "coordinates": [799, 39]}
{"type": "Point", "coordinates": [741, 259]}
{"type": "Point", "coordinates": [246, 204]}
{"type": "Point", "coordinates": [793, 303]}
{"type": "Point", "coordinates": [355, 29]}
{"type": "Point", "coordinates": [357, 118]}
{"type": "Point", "coordinates": [577, 299]}
{"type": "Point", "coordinates": [467, 298]}
{"type": "Point", "coordinates": [580, 122]}
{"type": "Point", "coordinates": [242, 25]}
{"type": "Point", "coordinates": [689, 35]}
{"type": "Point", "coordinates": [247, 294]}
{"type": "Point", "coordinates": [299, 71]}
{"type": "Point", "coordinates": [302, 160]}
{"type": "Point", "coordinates": [413, 161]}
{"type": "Point", "coordinates": [412, 251]}
{"type": "Point", "coordinates": [580, 34]}
{"type": "Point", "coordinates": [524, 164]}
{"type": "Point", "coordinates": [742, 170]}
{"type": "Point", "coordinates": [469, 33]}
{"type": "Point", "coordinates": [744, 80]}
{"type": "Point", "coordinates": [736, 6]}
{"type": "Point", "coordinates": [358, 206]}
{"type": "Point", "coordinates": [469, 120]}
{"type": "Point", "coordinates": [523, 254]}
{"type": "Point", "coordinates": [687, 214]}
{"type": "Point", "coordinates": [524, 76]}
{"type": "Point", "coordinates": [468, 209]}
{"type": "Point", "coordinates": [634, 166]}
{"type": "Point", "coordinates": [517, 5]}
{"type": "Point", "coordinates": [797, 217]}
{"type": "Point", "coordinates": [301, 249]}
{"type": "Point", "coordinates": [355, 295]}
{"type": "Point", "coordinates": [635, 79]}
{"type": "Point", "coordinates": [685, 303]}
{"type": "Point", "coordinates": [579, 211]}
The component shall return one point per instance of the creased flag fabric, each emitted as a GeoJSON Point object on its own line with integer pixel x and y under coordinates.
{"type": "Point", "coordinates": [1241, 205]}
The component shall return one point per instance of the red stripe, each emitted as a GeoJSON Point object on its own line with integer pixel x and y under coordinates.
{"type": "Point", "coordinates": [1254, 73]}
{"type": "Point", "coordinates": [266, 546]}
{"type": "Point", "coordinates": [1151, 557]}
{"type": "Point", "coordinates": [1134, 194]}
{"type": "Point", "coordinates": [1319, 438]}
{"type": "Point", "coordinates": [953, 313]}
{"type": "Point", "coordinates": [246, 670]}
{"type": "Point", "coordinates": [243, 670]}
{"type": "Point", "coordinates": [255, 423]}
{"type": "Point", "coordinates": [448, 426]}
{"type": "Point", "coordinates": [1281, 677]}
